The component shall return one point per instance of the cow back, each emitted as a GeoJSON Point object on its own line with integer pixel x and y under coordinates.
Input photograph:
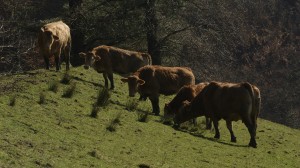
{"type": "Point", "coordinates": [59, 29]}
{"type": "Point", "coordinates": [121, 61]}
{"type": "Point", "coordinates": [166, 80]}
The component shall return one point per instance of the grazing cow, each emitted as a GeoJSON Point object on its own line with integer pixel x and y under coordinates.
{"type": "Point", "coordinates": [151, 81]}
{"type": "Point", "coordinates": [53, 39]}
{"type": "Point", "coordinates": [188, 93]}
{"type": "Point", "coordinates": [108, 59]}
{"type": "Point", "coordinates": [227, 101]}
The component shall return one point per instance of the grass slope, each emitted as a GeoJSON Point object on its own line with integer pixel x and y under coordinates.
{"type": "Point", "coordinates": [61, 133]}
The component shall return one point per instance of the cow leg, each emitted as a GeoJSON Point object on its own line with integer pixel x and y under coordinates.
{"type": "Point", "coordinates": [143, 98]}
{"type": "Point", "coordinates": [155, 106]}
{"type": "Point", "coordinates": [111, 79]}
{"type": "Point", "coordinates": [194, 120]}
{"type": "Point", "coordinates": [57, 61]}
{"type": "Point", "coordinates": [252, 130]}
{"type": "Point", "coordinates": [229, 126]}
{"type": "Point", "coordinates": [216, 125]}
{"type": "Point", "coordinates": [208, 123]}
{"type": "Point", "coordinates": [47, 62]}
{"type": "Point", "coordinates": [105, 80]}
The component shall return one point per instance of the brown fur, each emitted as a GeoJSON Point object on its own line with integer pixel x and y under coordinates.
{"type": "Point", "coordinates": [228, 101]}
{"type": "Point", "coordinates": [188, 93]}
{"type": "Point", "coordinates": [151, 81]}
{"type": "Point", "coordinates": [109, 60]}
{"type": "Point", "coordinates": [53, 39]}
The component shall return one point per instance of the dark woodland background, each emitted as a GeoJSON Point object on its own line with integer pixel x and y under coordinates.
{"type": "Point", "coordinates": [222, 40]}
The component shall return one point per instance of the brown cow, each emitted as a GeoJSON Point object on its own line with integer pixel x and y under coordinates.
{"type": "Point", "coordinates": [53, 39]}
{"type": "Point", "coordinates": [188, 93]}
{"type": "Point", "coordinates": [229, 101]}
{"type": "Point", "coordinates": [151, 81]}
{"type": "Point", "coordinates": [108, 59]}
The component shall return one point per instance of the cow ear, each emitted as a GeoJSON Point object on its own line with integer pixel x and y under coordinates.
{"type": "Point", "coordinates": [82, 54]}
{"type": "Point", "coordinates": [124, 80]}
{"type": "Point", "coordinates": [97, 58]}
{"type": "Point", "coordinates": [141, 82]}
{"type": "Point", "coordinates": [56, 38]}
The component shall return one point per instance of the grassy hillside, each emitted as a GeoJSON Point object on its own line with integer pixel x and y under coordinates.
{"type": "Point", "coordinates": [61, 133]}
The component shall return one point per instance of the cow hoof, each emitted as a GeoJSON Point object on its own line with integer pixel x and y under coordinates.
{"type": "Point", "coordinates": [176, 126]}
{"type": "Point", "coordinates": [217, 136]}
{"type": "Point", "coordinates": [233, 139]}
{"type": "Point", "coordinates": [252, 144]}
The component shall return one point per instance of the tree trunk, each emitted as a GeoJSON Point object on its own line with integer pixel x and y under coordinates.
{"type": "Point", "coordinates": [151, 27]}
{"type": "Point", "coordinates": [76, 33]}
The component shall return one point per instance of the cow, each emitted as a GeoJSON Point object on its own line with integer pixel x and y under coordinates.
{"type": "Point", "coordinates": [108, 60]}
{"type": "Point", "coordinates": [53, 39]}
{"type": "Point", "coordinates": [188, 93]}
{"type": "Point", "coordinates": [228, 101]}
{"type": "Point", "coordinates": [153, 80]}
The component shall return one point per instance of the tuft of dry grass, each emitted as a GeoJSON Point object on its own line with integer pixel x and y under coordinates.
{"type": "Point", "coordinates": [53, 86]}
{"type": "Point", "coordinates": [142, 116]}
{"type": "Point", "coordinates": [12, 100]}
{"type": "Point", "coordinates": [114, 123]}
{"type": "Point", "coordinates": [132, 104]}
{"type": "Point", "coordinates": [95, 110]}
{"type": "Point", "coordinates": [66, 79]}
{"type": "Point", "coordinates": [42, 99]}
{"type": "Point", "coordinates": [103, 97]}
{"type": "Point", "coordinates": [69, 92]}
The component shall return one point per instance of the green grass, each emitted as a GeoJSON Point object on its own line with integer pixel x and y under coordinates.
{"type": "Point", "coordinates": [61, 133]}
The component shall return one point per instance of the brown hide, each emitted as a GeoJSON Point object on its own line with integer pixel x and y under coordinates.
{"type": "Point", "coordinates": [186, 93]}
{"type": "Point", "coordinates": [53, 39]}
{"type": "Point", "coordinates": [109, 60]}
{"type": "Point", "coordinates": [151, 81]}
{"type": "Point", "coordinates": [228, 101]}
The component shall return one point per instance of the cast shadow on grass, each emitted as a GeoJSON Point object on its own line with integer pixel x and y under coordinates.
{"type": "Point", "coordinates": [125, 106]}
{"type": "Point", "coordinates": [210, 138]}
{"type": "Point", "coordinates": [85, 81]}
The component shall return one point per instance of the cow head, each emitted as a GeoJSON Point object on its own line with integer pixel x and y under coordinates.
{"type": "Point", "coordinates": [133, 83]}
{"type": "Point", "coordinates": [48, 37]}
{"type": "Point", "coordinates": [184, 113]}
{"type": "Point", "coordinates": [168, 111]}
{"type": "Point", "coordinates": [90, 59]}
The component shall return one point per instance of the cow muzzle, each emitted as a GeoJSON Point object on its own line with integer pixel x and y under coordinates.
{"type": "Point", "coordinates": [86, 67]}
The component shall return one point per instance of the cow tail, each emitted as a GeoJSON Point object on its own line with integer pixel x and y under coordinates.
{"type": "Point", "coordinates": [249, 87]}
{"type": "Point", "coordinates": [149, 59]}
{"type": "Point", "coordinates": [257, 104]}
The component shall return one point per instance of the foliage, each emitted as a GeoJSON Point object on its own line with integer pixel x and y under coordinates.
{"type": "Point", "coordinates": [233, 41]}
